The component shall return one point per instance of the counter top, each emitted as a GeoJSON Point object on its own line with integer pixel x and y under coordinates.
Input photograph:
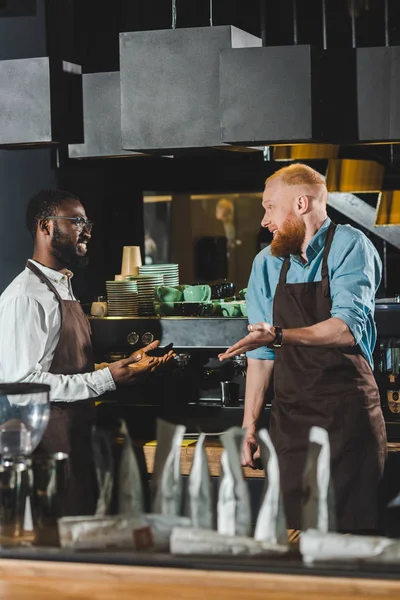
{"type": "Point", "coordinates": [42, 574]}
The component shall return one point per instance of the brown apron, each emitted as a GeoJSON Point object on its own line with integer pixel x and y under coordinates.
{"type": "Point", "coordinates": [333, 388]}
{"type": "Point", "coordinates": [70, 424]}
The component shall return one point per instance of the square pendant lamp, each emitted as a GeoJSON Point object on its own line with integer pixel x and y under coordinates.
{"type": "Point", "coordinates": [170, 86]}
{"type": "Point", "coordinates": [267, 95]}
{"type": "Point", "coordinates": [40, 102]}
{"type": "Point", "coordinates": [354, 175]}
{"type": "Point", "coordinates": [101, 118]}
{"type": "Point", "coordinates": [378, 94]}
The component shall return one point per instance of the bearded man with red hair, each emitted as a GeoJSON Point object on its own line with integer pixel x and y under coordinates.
{"type": "Point", "coordinates": [310, 301]}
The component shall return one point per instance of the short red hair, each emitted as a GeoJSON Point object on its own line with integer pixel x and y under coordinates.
{"type": "Point", "coordinates": [297, 174]}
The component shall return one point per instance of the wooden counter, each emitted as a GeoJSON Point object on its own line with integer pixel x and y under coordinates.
{"type": "Point", "coordinates": [213, 450]}
{"type": "Point", "coordinates": [42, 580]}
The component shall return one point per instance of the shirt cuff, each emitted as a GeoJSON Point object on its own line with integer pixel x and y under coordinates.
{"type": "Point", "coordinates": [262, 353]}
{"type": "Point", "coordinates": [355, 328]}
{"type": "Point", "coordinates": [104, 381]}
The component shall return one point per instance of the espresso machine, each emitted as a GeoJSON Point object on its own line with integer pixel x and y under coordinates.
{"type": "Point", "coordinates": [387, 364]}
{"type": "Point", "coordinates": [198, 390]}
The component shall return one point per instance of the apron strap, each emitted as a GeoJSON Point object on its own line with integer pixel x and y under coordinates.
{"type": "Point", "coordinates": [43, 278]}
{"type": "Point", "coordinates": [284, 270]}
{"type": "Point", "coordinates": [328, 244]}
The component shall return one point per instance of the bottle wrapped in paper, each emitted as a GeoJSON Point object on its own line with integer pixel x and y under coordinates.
{"type": "Point", "coordinates": [166, 483]}
{"type": "Point", "coordinates": [203, 541]}
{"type": "Point", "coordinates": [200, 492]}
{"type": "Point", "coordinates": [233, 509]}
{"type": "Point", "coordinates": [318, 510]}
{"type": "Point", "coordinates": [315, 545]}
{"type": "Point", "coordinates": [271, 520]}
{"type": "Point", "coordinates": [130, 490]}
{"type": "Point", "coordinates": [145, 533]}
{"type": "Point", "coordinates": [97, 533]}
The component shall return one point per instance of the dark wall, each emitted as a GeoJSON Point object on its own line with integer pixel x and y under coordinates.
{"type": "Point", "coordinates": [111, 193]}
{"type": "Point", "coordinates": [23, 36]}
{"type": "Point", "coordinates": [22, 172]}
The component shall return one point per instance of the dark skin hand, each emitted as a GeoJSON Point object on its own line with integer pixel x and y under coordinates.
{"type": "Point", "coordinates": [129, 370]}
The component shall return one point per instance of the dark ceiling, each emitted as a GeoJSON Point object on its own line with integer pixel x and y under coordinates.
{"type": "Point", "coordinates": [87, 30]}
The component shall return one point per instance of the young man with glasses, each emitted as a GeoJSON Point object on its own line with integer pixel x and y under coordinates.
{"type": "Point", "coordinates": [45, 337]}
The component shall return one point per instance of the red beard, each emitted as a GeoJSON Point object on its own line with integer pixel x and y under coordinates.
{"type": "Point", "coordinates": [290, 237]}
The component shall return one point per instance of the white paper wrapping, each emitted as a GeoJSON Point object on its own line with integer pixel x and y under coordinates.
{"type": "Point", "coordinates": [315, 546]}
{"type": "Point", "coordinates": [318, 511]}
{"type": "Point", "coordinates": [200, 491]}
{"type": "Point", "coordinates": [166, 482]}
{"type": "Point", "coordinates": [271, 521]}
{"type": "Point", "coordinates": [202, 541]}
{"type": "Point", "coordinates": [130, 491]}
{"type": "Point", "coordinates": [145, 533]}
{"type": "Point", "coordinates": [233, 509]}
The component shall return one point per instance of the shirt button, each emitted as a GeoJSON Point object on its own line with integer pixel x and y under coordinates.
{"type": "Point", "coordinates": [307, 266]}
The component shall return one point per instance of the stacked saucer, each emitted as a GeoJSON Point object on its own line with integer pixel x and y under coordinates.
{"type": "Point", "coordinates": [122, 298]}
{"type": "Point", "coordinates": [146, 285]}
{"type": "Point", "coordinates": [170, 272]}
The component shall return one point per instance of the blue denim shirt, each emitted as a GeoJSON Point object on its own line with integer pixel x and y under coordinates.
{"type": "Point", "coordinates": [355, 272]}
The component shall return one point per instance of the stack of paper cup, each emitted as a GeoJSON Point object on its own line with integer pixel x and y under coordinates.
{"type": "Point", "coordinates": [131, 260]}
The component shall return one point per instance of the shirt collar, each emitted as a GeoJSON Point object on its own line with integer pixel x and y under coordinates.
{"type": "Point", "coordinates": [53, 275]}
{"type": "Point", "coordinates": [318, 241]}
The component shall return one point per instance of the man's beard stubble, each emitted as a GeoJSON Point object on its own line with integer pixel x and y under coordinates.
{"type": "Point", "coordinates": [65, 251]}
{"type": "Point", "coordinates": [289, 237]}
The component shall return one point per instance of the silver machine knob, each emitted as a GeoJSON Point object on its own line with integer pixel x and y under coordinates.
{"type": "Point", "coordinates": [147, 338]}
{"type": "Point", "coordinates": [132, 338]}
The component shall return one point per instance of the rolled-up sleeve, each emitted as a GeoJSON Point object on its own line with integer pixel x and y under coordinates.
{"type": "Point", "coordinates": [354, 280]}
{"type": "Point", "coordinates": [259, 303]}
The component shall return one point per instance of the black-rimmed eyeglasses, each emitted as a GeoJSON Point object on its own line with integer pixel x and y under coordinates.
{"type": "Point", "coordinates": [79, 222]}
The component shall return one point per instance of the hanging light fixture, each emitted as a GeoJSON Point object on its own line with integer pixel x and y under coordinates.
{"type": "Point", "coordinates": [388, 208]}
{"type": "Point", "coordinates": [40, 102]}
{"type": "Point", "coordinates": [170, 85]}
{"type": "Point", "coordinates": [267, 95]}
{"type": "Point", "coordinates": [349, 175]}
{"type": "Point", "coordinates": [305, 152]}
{"type": "Point", "coordinates": [101, 118]}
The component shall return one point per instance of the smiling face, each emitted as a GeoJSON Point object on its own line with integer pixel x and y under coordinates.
{"type": "Point", "coordinates": [68, 243]}
{"type": "Point", "coordinates": [281, 219]}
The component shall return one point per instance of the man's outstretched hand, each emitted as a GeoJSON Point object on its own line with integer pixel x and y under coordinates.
{"type": "Point", "coordinates": [261, 334]}
{"type": "Point", "coordinates": [129, 370]}
{"type": "Point", "coordinates": [160, 362]}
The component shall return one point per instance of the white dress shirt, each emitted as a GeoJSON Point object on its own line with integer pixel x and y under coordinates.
{"type": "Point", "coordinates": [30, 325]}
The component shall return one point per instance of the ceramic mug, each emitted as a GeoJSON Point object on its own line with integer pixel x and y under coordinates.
{"type": "Point", "coordinates": [166, 293]}
{"type": "Point", "coordinates": [231, 309]}
{"type": "Point", "coordinates": [197, 293]}
{"type": "Point", "coordinates": [243, 308]}
{"type": "Point", "coordinates": [242, 293]}
{"type": "Point", "coordinates": [216, 305]}
{"type": "Point", "coordinates": [99, 309]}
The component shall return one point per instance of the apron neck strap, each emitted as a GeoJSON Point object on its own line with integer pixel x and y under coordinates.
{"type": "Point", "coordinates": [328, 244]}
{"type": "Point", "coordinates": [284, 270]}
{"type": "Point", "coordinates": [30, 265]}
